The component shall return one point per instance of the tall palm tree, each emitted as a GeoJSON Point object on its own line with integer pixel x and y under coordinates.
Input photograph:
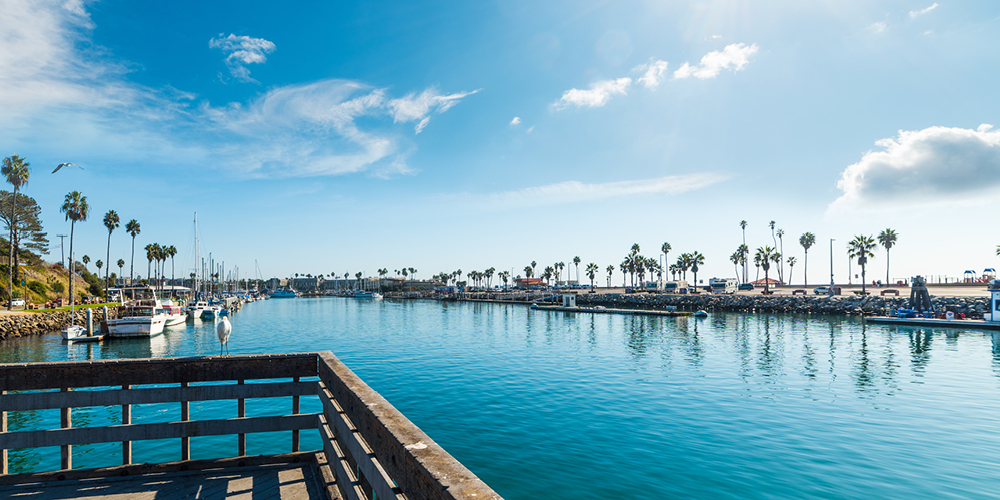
{"type": "Point", "coordinates": [86, 260]}
{"type": "Point", "coordinates": [17, 173]}
{"type": "Point", "coordinates": [697, 259]}
{"type": "Point", "coordinates": [781, 249]}
{"type": "Point", "coordinates": [807, 240]}
{"type": "Point", "coordinates": [576, 263]}
{"type": "Point", "coordinates": [887, 238]}
{"type": "Point", "coordinates": [150, 254]}
{"type": "Point", "coordinates": [735, 259]}
{"type": "Point", "coordinates": [665, 248]}
{"type": "Point", "coordinates": [171, 252]}
{"type": "Point", "coordinates": [76, 209]}
{"type": "Point", "coordinates": [591, 271]}
{"type": "Point", "coordinates": [743, 226]}
{"type": "Point", "coordinates": [764, 256]}
{"type": "Point", "coordinates": [111, 221]}
{"type": "Point", "coordinates": [791, 265]}
{"type": "Point", "coordinates": [121, 265]}
{"type": "Point", "coordinates": [611, 268]}
{"type": "Point", "coordinates": [771, 225]}
{"type": "Point", "coordinates": [133, 229]}
{"type": "Point", "coordinates": [861, 248]}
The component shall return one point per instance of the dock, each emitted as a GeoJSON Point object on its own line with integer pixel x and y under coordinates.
{"type": "Point", "coordinates": [605, 310]}
{"type": "Point", "coordinates": [976, 324]}
{"type": "Point", "coordinates": [369, 449]}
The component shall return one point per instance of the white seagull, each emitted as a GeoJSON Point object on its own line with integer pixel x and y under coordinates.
{"type": "Point", "coordinates": [223, 329]}
{"type": "Point", "coordinates": [61, 165]}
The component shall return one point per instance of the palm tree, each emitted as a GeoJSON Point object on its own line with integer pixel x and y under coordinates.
{"type": "Point", "coordinates": [861, 248]}
{"type": "Point", "coordinates": [764, 256]}
{"type": "Point", "coordinates": [171, 252]}
{"type": "Point", "coordinates": [150, 253]}
{"type": "Point", "coordinates": [697, 259]}
{"type": "Point", "coordinates": [99, 265]}
{"type": "Point", "coordinates": [591, 271]}
{"type": "Point", "coordinates": [624, 269]}
{"type": "Point", "coordinates": [743, 226]}
{"type": "Point", "coordinates": [576, 263]}
{"type": "Point", "coordinates": [887, 238]}
{"type": "Point", "coordinates": [133, 229]}
{"type": "Point", "coordinates": [781, 249]}
{"type": "Point", "coordinates": [807, 240]}
{"type": "Point", "coordinates": [76, 209]}
{"type": "Point", "coordinates": [86, 260]}
{"type": "Point", "coordinates": [15, 169]}
{"type": "Point", "coordinates": [791, 265]}
{"type": "Point", "coordinates": [665, 248]}
{"type": "Point", "coordinates": [121, 265]}
{"type": "Point", "coordinates": [547, 274]}
{"type": "Point", "coordinates": [528, 271]}
{"type": "Point", "coordinates": [756, 263]}
{"type": "Point", "coordinates": [111, 221]}
{"type": "Point", "coordinates": [735, 259]}
{"type": "Point", "coordinates": [771, 225]}
{"type": "Point", "coordinates": [611, 268]}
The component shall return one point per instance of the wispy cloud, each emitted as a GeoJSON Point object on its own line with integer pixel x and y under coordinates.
{"type": "Point", "coordinates": [878, 27]}
{"type": "Point", "coordinates": [575, 191]}
{"type": "Point", "coordinates": [933, 164]}
{"type": "Point", "coordinates": [596, 96]}
{"type": "Point", "coordinates": [241, 51]}
{"type": "Point", "coordinates": [515, 121]}
{"type": "Point", "coordinates": [653, 73]}
{"type": "Point", "coordinates": [915, 13]}
{"type": "Point", "coordinates": [418, 107]}
{"type": "Point", "coordinates": [735, 56]}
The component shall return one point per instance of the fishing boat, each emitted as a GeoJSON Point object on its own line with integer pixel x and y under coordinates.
{"type": "Point", "coordinates": [284, 293]}
{"type": "Point", "coordinates": [138, 319]}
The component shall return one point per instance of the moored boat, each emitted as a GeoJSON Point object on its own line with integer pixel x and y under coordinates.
{"type": "Point", "coordinates": [138, 319]}
{"type": "Point", "coordinates": [284, 293]}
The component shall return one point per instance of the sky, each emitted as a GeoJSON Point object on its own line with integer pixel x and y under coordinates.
{"type": "Point", "coordinates": [332, 137]}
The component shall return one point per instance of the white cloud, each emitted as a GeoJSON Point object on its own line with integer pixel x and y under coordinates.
{"type": "Point", "coordinates": [716, 36]}
{"type": "Point", "coordinates": [596, 96]}
{"type": "Point", "coordinates": [654, 73]}
{"type": "Point", "coordinates": [936, 164]}
{"type": "Point", "coordinates": [575, 191]}
{"type": "Point", "coordinates": [516, 121]}
{"type": "Point", "coordinates": [878, 27]}
{"type": "Point", "coordinates": [242, 50]}
{"type": "Point", "coordinates": [735, 56]}
{"type": "Point", "coordinates": [417, 107]}
{"type": "Point", "coordinates": [915, 13]}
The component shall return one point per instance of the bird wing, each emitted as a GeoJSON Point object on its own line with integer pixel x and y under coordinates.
{"type": "Point", "coordinates": [61, 165]}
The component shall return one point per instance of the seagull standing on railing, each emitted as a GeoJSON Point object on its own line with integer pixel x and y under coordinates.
{"type": "Point", "coordinates": [67, 164]}
{"type": "Point", "coordinates": [223, 329]}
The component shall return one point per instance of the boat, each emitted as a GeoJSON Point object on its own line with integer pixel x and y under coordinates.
{"type": "Point", "coordinates": [284, 293]}
{"type": "Point", "coordinates": [210, 312]}
{"type": "Point", "coordinates": [194, 310]}
{"type": "Point", "coordinates": [175, 315]}
{"type": "Point", "coordinates": [701, 314]}
{"type": "Point", "coordinates": [364, 295]}
{"type": "Point", "coordinates": [73, 332]}
{"type": "Point", "coordinates": [138, 319]}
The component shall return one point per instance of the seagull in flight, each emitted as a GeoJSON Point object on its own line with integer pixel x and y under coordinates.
{"type": "Point", "coordinates": [61, 165]}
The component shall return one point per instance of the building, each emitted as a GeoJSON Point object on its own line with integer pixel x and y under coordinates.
{"type": "Point", "coordinates": [528, 282]}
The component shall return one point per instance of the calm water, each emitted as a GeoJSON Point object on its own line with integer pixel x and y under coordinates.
{"type": "Point", "coordinates": [556, 405]}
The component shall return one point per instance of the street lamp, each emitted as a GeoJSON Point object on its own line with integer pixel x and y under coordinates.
{"type": "Point", "coordinates": [831, 266]}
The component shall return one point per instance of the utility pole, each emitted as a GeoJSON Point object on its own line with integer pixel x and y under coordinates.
{"type": "Point", "coordinates": [831, 266]}
{"type": "Point", "coordinates": [62, 254]}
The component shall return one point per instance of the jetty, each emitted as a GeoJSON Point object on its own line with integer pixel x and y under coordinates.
{"type": "Point", "coordinates": [369, 449]}
{"type": "Point", "coordinates": [605, 310]}
{"type": "Point", "coordinates": [977, 324]}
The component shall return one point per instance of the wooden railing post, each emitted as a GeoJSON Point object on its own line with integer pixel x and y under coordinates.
{"type": "Point", "coordinates": [66, 421]}
{"type": "Point", "coordinates": [242, 408]}
{"type": "Point", "coordinates": [185, 416]}
{"type": "Point", "coordinates": [3, 428]}
{"type": "Point", "coordinates": [295, 411]}
{"type": "Point", "coordinates": [126, 420]}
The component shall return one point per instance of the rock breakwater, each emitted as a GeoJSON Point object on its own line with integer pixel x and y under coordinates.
{"type": "Point", "coordinates": [22, 325]}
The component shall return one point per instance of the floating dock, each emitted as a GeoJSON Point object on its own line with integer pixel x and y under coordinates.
{"type": "Point", "coordinates": [976, 324]}
{"type": "Point", "coordinates": [603, 310]}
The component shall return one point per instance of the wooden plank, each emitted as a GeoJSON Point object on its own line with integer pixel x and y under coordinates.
{"type": "Point", "coordinates": [116, 372]}
{"type": "Point", "coordinates": [3, 428]}
{"type": "Point", "coordinates": [348, 483]}
{"type": "Point", "coordinates": [295, 411]}
{"type": "Point", "coordinates": [420, 467]}
{"type": "Point", "coordinates": [166, 430]}
{"type": "Point", "coordinates": [185, 417]}
{"type": "Point", "coordinates": [126, 420]}
{"type": "Point", "coordinates": [382, 484]}
{"type": "Point", "coordinates": [115, 397]}
{"type": "Point", "coordinates": [162, 468]}
{"type": "Point", "coordinates": [242, 412]}
{"type": "Point", "coordinates": [66, 421]}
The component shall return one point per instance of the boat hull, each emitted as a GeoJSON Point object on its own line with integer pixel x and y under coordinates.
{"type": "Point", "coordinates": [136, 327]}
{"type": "Point", "coordinates": [73, 332]}
{"type": "Point", "coordinates": [175, 319]}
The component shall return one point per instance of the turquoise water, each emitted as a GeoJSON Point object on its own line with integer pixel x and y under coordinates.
{"type": "Point", "coordinates": [560, 405]}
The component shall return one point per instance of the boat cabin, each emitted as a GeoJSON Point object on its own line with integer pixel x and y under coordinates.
{"type": "Point", "coordinates": [994, 314]}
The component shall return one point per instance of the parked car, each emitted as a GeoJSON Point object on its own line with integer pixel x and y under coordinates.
{"type": "Point", "coordinates": [821, 290]}
{"type": "Point", "coordinates": [17, 303]}
{"type": "Point", "coordinates": [746, 286]}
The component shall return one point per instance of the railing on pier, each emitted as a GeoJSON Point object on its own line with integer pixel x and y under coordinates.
{"type": "Point", "coordinates": [370, 450]}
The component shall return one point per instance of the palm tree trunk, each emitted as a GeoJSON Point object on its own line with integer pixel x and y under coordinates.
{"type": "Point", "coordinates": [10, 257]}
{"type": "Point", "coordinates": [886, 267]}
{"type": "Point", "coordinates": [131, 267]}
{"type": "Point", "coordinates": [805, 277]}
{"type": "Point", "coordinates": [72, 227]}
{"type": "Point", "coordinates": [108, 270]}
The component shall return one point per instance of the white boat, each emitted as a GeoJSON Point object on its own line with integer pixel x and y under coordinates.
{"type": "Point", "coordinates": [175, 316]}
{"type": "Point", "coordinates": [210, 312]}
{"type": "Point", "coordinates": [194, 310]}
{"type": "Point", "coordinates": [139, 319]}
{"type": "Point", "coordinates": [73, 331]}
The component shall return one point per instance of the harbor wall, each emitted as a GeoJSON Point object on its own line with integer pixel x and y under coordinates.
{"type": "Point", "coordinates": [29, 323]}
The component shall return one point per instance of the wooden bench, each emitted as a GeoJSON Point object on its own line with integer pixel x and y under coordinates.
{"type": "Point", "coordinates": [799, 291]}
{"type": "Point", "coordinates": [887, 292]}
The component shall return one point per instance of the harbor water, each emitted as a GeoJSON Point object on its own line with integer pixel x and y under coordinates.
{"type": "Point", "coordinates": [558, 405]}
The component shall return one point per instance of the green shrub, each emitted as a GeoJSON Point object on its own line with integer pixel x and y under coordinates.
{"type": "Point", "coordinates": [37, 287]}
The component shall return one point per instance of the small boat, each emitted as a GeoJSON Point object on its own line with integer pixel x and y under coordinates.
{"type": "Point", "coordinates": [88, 338]}
{"type": "Point", "coordinates": [224, 312]}
{"type": "Point", "coordinates": [139, 319]}
{"type": "Point", "coordinates": [701, 313]}
{"type": "Point", "coordinates": [284, 293]}
{"type": "Point", "coordinates": [194, 310]}
{"type": "Point", "coordinates": [364, 295]}
{"type": "Point", "coordinates": [73, 332]}
{"type": "Point", "coordinates": [175, 316]}
{"type": "Point", "coordinates": [210, 312]}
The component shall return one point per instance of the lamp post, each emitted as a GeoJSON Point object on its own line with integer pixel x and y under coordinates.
{"type": "Point", "coordinates": [831, 266]}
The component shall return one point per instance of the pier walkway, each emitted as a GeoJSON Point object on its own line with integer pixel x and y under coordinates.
{"type": "Point", "coordinates": [369, 449]}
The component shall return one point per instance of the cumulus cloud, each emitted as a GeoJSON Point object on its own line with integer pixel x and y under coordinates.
{"type": "Point", "coordinates": [596, 96]}
{"type": "Point", "coordinates": [915, 13]}
{"type": "Point", "coordinates": [929, 165]}
{"type": "Point", "coordinates": [735, 56]}
{"type": "Point", "coordinates": [241, 51]}
{"type": "Point", "coordinates": [515, 121]}
{"type": "Point", "coordinates": [653, 73]}
{"type": "Point", "coordinates": [575, 191]}
{"type": "Point", "coordinates": [878, 27]}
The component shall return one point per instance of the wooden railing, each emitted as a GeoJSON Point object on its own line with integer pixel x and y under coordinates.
{"type": "Point", "coordinates": [370, 450]}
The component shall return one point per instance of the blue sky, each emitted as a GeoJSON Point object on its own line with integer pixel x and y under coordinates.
{"type": "Point", "coordinates": [329, 137]}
